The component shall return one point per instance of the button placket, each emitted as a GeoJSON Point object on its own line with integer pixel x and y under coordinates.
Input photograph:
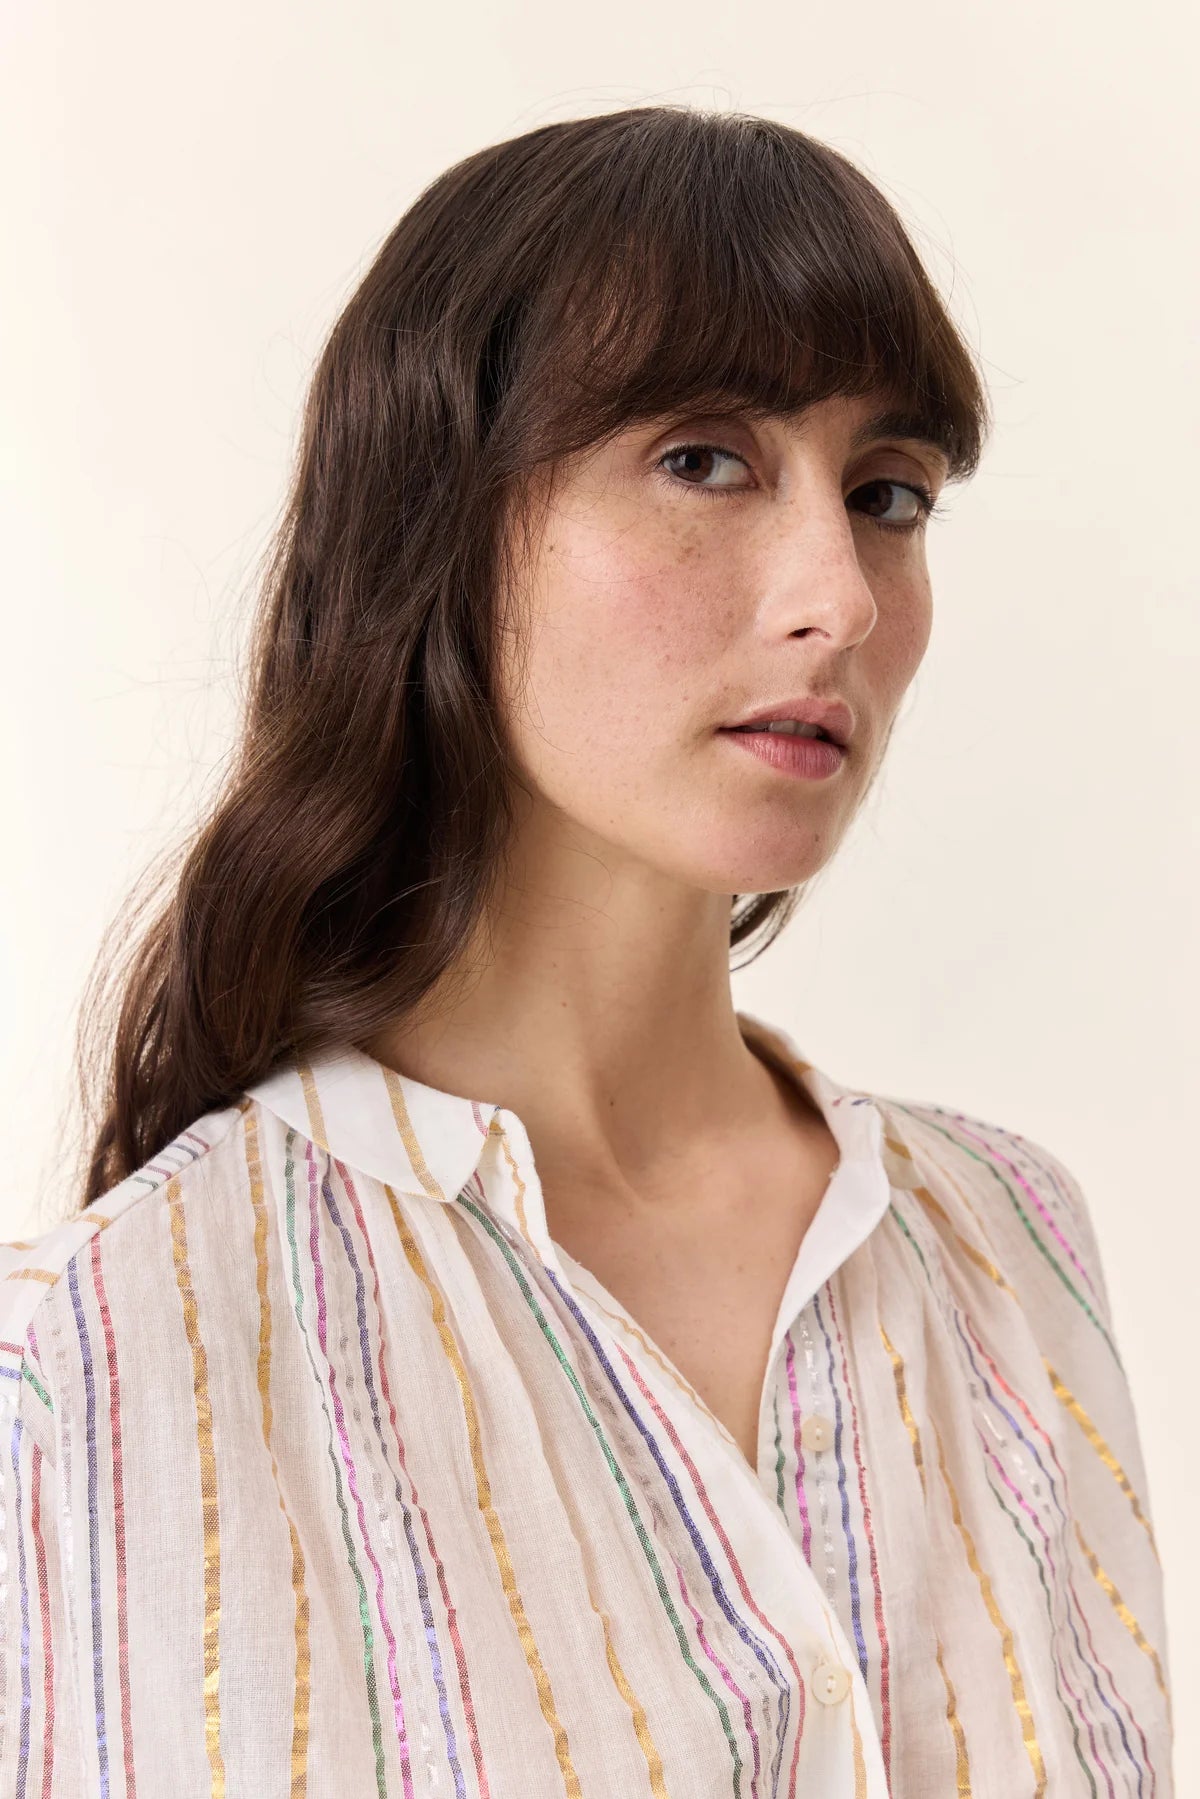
{"type": "Point", "coordinates": [816, 1432]}
{"type": "Point", "coordinates": [830, 1682]}
{"type": "Point", "coordinates": [820, 1472]}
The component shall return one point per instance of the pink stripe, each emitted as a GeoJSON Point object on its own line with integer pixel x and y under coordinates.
{"type": "Point", "coordinates": [348, 1464]}
{"type": "Point", "coordinates": [1048, 1442]}
{"type": "Point", "coordinates": [801, 1496]}
{"type": "Point", "coordinates": [885, 1656]}
{"type": "Point", "coordinates": [1059, 1660]}
{"type": "Point", "coordinates": [726, 1676]}
{"type": "Point", "coordinates": [718, 1528]}
{"type": "Point", "coordinates": [996, 1154]}
{"type": "Point", "coordinates": [451, 1611]}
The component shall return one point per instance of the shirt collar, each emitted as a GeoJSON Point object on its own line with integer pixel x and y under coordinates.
{"type": "Point", "coordinates": [420, 1140]}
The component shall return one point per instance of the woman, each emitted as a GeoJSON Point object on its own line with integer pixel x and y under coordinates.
{"type": "Point", "coordinates": [484, 1361]}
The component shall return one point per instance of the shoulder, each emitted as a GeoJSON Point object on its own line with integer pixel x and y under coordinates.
{"type": "Point", "coordinates": [1020, 1196]}
{"type": "Point", "coordinates": [43, 1277]}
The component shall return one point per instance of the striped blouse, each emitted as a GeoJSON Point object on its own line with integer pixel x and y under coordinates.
{"type": "Point", "coordinates": [326, 1472]}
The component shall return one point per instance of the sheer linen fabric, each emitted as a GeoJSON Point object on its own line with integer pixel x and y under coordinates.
{"type": "Point", "coordinates": [325, 1471]}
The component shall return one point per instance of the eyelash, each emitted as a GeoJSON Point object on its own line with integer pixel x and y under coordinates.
{"type": "Point", "coordinates": [929, 506]}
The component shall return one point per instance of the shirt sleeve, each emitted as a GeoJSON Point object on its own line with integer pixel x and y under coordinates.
{"type": "Point", "coordinates": [1090, 1381]}
{"type": "Point", "coordinates": [1079, 1238]}
{"type": "Point", "coordinates": [40, 1736]}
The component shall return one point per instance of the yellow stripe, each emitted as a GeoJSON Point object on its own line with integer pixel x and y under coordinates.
{"type": "Point", "coordinates": [1106, 1455]}
{"type": "Point", "coordinates": [627, 1324]}
{"type": "Point", "coordinates": [1128, 1620]}
{"type": "Point", "coordinates": [408, 1135]}
{"type": "Point", "coordinates": [303, 1657]}
{"type": "Point", "coordinates": [860, 1765]}
{"type": "Point", "coordinates": [1063, 1393]}
{"type": "Point", "coordinates": [969, 1250]}
{"type": "Point", "coordinates": [1010, 1661]}
{"type": "Point", "coordinates": [496, 1129]}
{"type": "Point", "coordinates": [907, 1177]}
{"type": "Point", "coordinates": [208, 1492]}
{"type": "Point", "coordinates": [483, 1491]}
{"type": "Point", "coordinates": [646, 1743]}
{"type": "Point", "coordinates": [637, 1711]}
{"type": "Point", "coordinates": [962, 1767]}
{"type": "Point", "coordinates": [962, 1760]}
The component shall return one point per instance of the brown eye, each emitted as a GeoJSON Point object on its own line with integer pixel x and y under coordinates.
{"type": "Point", "coordinates": [917, 503]}
{"type": "Point", "coordinates": [698, 460]}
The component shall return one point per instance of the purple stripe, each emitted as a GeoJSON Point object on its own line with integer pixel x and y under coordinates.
{"type": "Point", "coordinates": [1011, 1420]}
{"type": "Point", "coordinates": [420, 1574]}
{"type": "Point", "coordinates": [761, 1649]}
{"type": "Point", "coordinates": [762, 1652]}
{"type": "Point", "coordinates": [1057, 1660]}
{"type": "Point", "coordinates": [725, 1673]}
{"type": "Point", "coordinates": [344, 1440]}
{"type": "Point", "coordinates": [1085, 1661]}
{"type": "Point", "coordinates": [314, 1256]}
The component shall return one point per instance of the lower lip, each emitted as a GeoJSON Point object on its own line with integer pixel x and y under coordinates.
{"type": "Point", "coordinates": [792, 755]}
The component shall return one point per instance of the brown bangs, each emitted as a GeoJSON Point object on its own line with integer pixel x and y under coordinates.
{"type": "Point", "coordinates": [736, 267]}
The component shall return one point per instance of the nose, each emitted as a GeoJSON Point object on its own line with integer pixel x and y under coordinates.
{"type": "Point", "coordinates": [814, 575]}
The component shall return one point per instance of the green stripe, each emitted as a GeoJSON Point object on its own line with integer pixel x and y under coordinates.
{"type": "Point", "coordinates": [363, 1612]}
{"type": "Point", "coordinates": [630, 1504]}
{"type": "Point", "coordinates": [986, 1162]}
{"type": "Point", "coordinates": [28, 1374]}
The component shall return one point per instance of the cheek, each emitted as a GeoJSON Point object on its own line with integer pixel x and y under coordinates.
{"type": "Point", "coordinates": [900, 636]}
{"type": "Point", "coordinates": [631, 651]}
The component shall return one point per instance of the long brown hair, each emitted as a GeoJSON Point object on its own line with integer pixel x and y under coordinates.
{"type": "Point", "coordinates": [536, 297]}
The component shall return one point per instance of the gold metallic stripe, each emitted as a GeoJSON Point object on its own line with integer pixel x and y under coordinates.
{"type": "Point", "coordinates": [208, 1493]}
{"type": "Point", "coordinates": [860, 1764]}
{"type": "Point", "coordinates": [962, 1760]}
{"type": "Point", "coordinates": [641, 1726]}
{"type": "Point", "coordinates": [1010, 1661]}
{"type": "Point", "coordinates": [496, 1129]}
{"type": "Point", "coordinates": [483, 1492]}
{"type": "Point", "coordinates": [670, 1372]}
{"type": "Point", "coordinates": [969, 1250]}
{"type": "Point", "coordinates": [1128, 1620]}
{"type": "Point", "coordinates": [637, 1711]}
{"type": "Point", "coordinates": [408, 1136]}
{"type": "Point", "coordinates": [962, 1765]}
{"type": "Point", "coordinates": [1102, 1449]}
{"type": "Point", "coordinates": [303, 1657]}
{"type": "Point", "coordinates": [312, 1102]}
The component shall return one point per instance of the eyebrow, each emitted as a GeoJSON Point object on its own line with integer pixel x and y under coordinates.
{"type": "Point", "coordinates": [915, 427]}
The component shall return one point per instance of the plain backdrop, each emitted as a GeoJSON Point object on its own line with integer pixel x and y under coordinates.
{"type": "Point", "coordinates": [1010, 930]}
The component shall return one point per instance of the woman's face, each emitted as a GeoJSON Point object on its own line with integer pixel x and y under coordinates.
{"type": "Point", "coordinates": [673, 593]}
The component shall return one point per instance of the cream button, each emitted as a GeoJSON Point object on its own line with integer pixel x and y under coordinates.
{"type": "Point", "coordinates": [816, 1432]}
{"type": "Point", "coordinates": [830, 1682]}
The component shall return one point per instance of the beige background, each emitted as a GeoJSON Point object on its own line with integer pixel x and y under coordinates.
{"type": "Point", "coordinates": [1011, 928]}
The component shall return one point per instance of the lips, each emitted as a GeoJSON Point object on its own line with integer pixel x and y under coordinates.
{"type": "Point", "coordinates": [832, 717]}
{"type": "Point", "coordinates": [816, 735]}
